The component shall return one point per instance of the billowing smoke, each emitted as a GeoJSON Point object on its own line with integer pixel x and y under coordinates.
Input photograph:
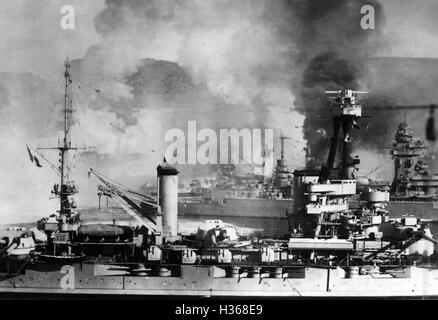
{"type": "Point", "coordinates": [334, 52]}
{"type": "Point", "coordinates": [244, 57]}
{"type": "Point", "coordinates": [325, 72]}
{"type": "Point", "coordinates": [223, 64]}
{"type": "Point", "coordinates": [228, 46]}
{"type": "Point", "coordinates": [158, 65]}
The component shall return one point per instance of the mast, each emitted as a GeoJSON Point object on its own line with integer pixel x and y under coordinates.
{"type": "Point", "coordinates": [64, 148]}
{"type": "Point", "coordinates": [66, 188]}
{"type": "Point", "coordinates": [281, 163]}
{"type": "Point", "coordinates": [66, 145]}
{"type": "Point", "coordinates": [282, 172]}
{"type": "Point", "coordinates": [282, 138]}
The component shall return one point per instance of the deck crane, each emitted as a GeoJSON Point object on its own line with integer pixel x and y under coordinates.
{"type": "Point", "coordinates": [142, 208]}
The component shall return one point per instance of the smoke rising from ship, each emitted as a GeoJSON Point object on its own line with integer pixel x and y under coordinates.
{"type": "Point", "coordinates": [248, 54]}
{"type": "Point", "coordinates": [335, 48]}
{"type": "Point", "coordinates": [245, 54]}
{"type": "Point", "coordinates": [224, 64]}
{"type": "Point", "coordinates": [338, 54]}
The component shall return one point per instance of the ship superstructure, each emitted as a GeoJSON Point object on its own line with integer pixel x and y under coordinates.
{"type": "Point", "coordinates": [412, 177]}
{"type": "Point", "coordinates": [327, 191]}
{"type": "Point", "coordinates": [282, 178]}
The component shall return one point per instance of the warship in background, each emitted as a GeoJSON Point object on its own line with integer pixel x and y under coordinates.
{"type": "Point", "coordinates": [334, 250]}
{"type": "Point", "coordinates": [251, 200]}
{"type": "Point", "coordinates": [413, 189]}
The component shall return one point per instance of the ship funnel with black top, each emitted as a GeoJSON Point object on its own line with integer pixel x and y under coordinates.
{"type": "Point", "coordinates": [168, 198]}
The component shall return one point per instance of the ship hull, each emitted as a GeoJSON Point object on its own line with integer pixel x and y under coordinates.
{"type": "Point", "coordinates": [427, 210]}
{"type": "Point", "coordinates": [266, 216]}
{"type": "Point", "coordinates": [201, 282]}
{"type": "Point", "coordinates": [260, 208]}
{"type": "Point", "coordinates": [270, 208]}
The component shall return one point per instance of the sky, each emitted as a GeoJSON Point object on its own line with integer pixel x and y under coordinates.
{"type": "Point", "coordinates": [31, 39]}
{"type": "Point", "coordinates": [411, 28]}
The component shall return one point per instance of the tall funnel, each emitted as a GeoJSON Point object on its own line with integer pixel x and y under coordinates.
{"type": "Point", "coordinates": [168, 198]}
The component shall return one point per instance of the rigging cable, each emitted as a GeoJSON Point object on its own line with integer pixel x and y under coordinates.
{"type": "Point", "coordinates": [377, 168]}
{"type": "Point", "coordinates": [57, 170]}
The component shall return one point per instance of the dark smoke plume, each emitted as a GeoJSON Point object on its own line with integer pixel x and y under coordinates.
{"type": "Point", "coordinates": [333, 54]}
{"type": "Point", "coordinates": [325, 72]}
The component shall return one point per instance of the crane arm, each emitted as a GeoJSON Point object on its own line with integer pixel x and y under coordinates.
{"type": "Point", "coordinates": [141, 207]}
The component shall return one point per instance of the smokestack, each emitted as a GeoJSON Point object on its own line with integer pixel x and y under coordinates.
{"type": "Point", "coordinates": [168, 198]}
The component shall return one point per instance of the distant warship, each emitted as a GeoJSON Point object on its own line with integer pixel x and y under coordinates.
{"type": "Point", "coordinates": [414, 188]}
{"type": "Point", "coordinates": [249, 200]}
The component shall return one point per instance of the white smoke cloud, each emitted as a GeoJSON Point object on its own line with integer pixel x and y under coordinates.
{"type": "Point", "coordinates": [229, 46]}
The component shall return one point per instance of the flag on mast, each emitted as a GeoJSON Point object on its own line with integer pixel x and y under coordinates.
{"type": "Point", "coordinates": [33, 158]}
{"type": "Point", "coordinates": [37, 162]}
{"type": "Point", "coordinates": [30, 153]}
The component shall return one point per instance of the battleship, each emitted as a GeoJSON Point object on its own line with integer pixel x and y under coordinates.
{"type": "Point", "coordinates": [414, 188]}
{"type": "Point", "coordinates": [334, 250]}
{"type": "Point", "coordinates": [251, 201]}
